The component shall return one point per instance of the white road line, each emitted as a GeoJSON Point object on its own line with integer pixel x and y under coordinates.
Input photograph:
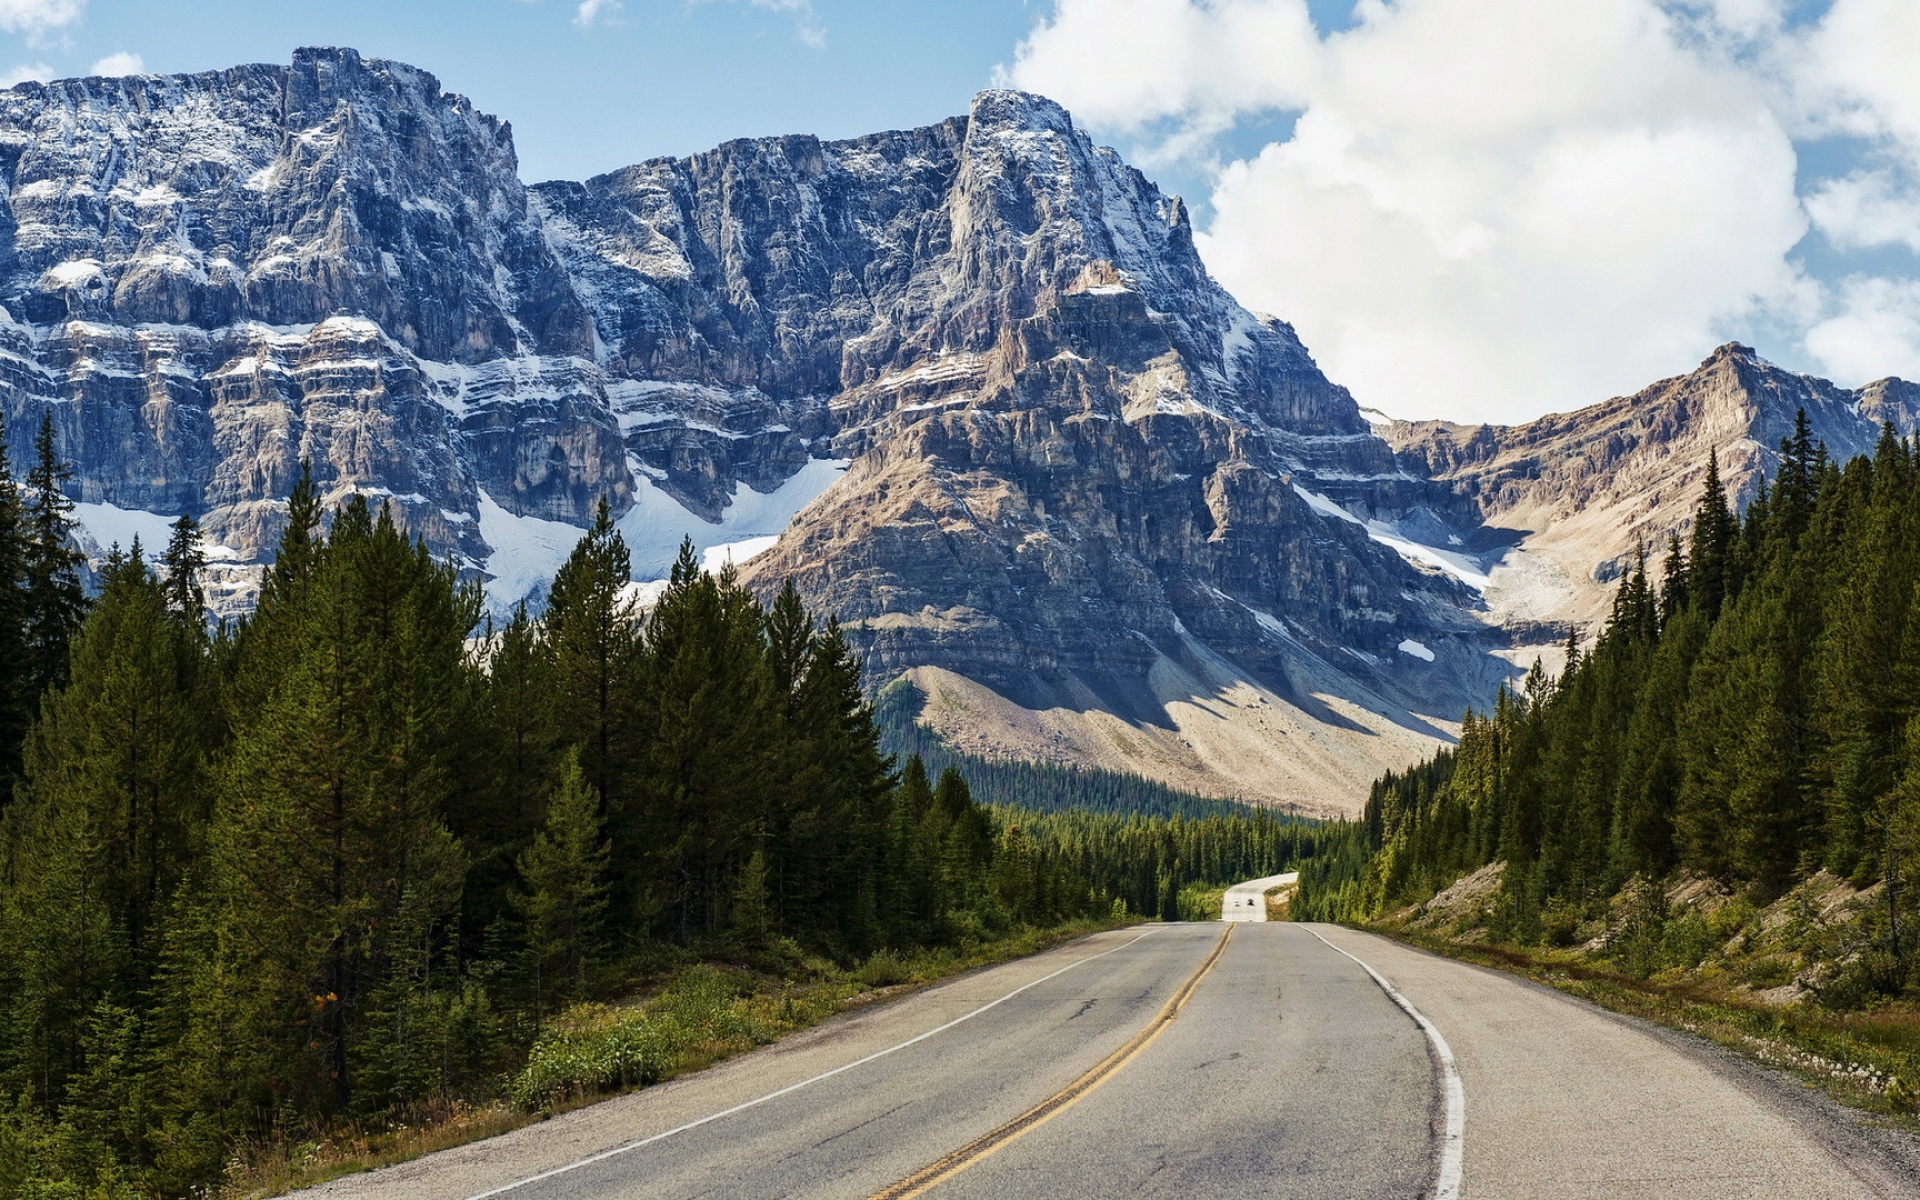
{"type": "Point", "coordinates": [794, 1087]}
{"type": "Point", "coordinates": [1452, 1145]}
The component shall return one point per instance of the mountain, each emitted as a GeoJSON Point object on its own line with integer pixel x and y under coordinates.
{"type": "Point", "coordinates": [1047, 465]}
{"type": "Point", "coordinates": [969, 385]}
{"type": "Point", "coordinates": [1577, 492]}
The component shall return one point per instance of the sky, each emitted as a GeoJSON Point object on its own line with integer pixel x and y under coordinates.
{"type": "Point", "coordinates": [1472, 209]}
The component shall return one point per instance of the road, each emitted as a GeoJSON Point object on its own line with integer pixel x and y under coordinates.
{"type": "Point", "coordinates": [1200, 1060]}
{"type": "Point", "coordinates": [1248, 901]}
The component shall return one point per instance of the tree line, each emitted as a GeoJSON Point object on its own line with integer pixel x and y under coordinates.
{"type": "Point", "coordinates": [348, 853]}
{"type": "Point", "coordinates": [1750, 717]}
{"type": "Point", "coordinates": [1145, 860]}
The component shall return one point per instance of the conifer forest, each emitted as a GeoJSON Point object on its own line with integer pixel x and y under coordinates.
{"type": "Point", "coordinates": [1750, 715]}
{"type": "Point", "coordinates": [348, 854]}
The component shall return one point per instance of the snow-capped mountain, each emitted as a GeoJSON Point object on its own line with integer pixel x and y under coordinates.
{"type": "Point", "coordinates": [970, 385]}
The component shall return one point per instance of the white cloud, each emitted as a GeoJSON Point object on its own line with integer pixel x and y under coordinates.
{"type": "Point", "coordinates": [1487, 208]}
{"type": "Point", "coordinates": [121, 63]}
{"type": "Point", "coordinates": [1855, 71]}
{"type": "Point", "coordinates": [597, 12]}
{"type": "Point", "coordinates": [37, 72]}
{"type": "Point", "coordinates": [1866, 209]}
{"type": "Point", "coordinates": [1876, 332]}
{"type": "Point", "coordinates": [806, 22]}
{"type": "Point", "coordinates": [35, 19]}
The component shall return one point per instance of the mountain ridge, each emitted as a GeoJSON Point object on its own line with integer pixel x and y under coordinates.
{"type": "Point", "coordinates": [970, 385]}
{"type": "Point", "coordinates": [1587, 487]}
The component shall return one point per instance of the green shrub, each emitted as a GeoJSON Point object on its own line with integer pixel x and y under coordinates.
{"type": "Point", "coordinates": [596, 1048]}
{"type": "Point", "coordinates": [884, 969]}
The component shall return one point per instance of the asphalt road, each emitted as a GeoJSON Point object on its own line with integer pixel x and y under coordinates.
{"type": "Point", "coordinates": [1248, 901]}
{"type": "Point", "coordinates": [1156, 1062]}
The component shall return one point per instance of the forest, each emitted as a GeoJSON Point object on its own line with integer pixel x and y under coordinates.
{"type": "Point", "coordinates": [356, 851]}
{"type": "Point", "coordinates": [343, 854]}
{"type": "Point", "coordinates": [1751, 716]}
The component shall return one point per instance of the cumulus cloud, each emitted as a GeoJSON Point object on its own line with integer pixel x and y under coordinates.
{"type": "Point", "coordinates": [1488, 209]}
{"type": "Point", "coordinates": [121, 63]}
{"type": "Point", "coordinates": [592, 13]}
{"type": "Point", "coordinates": [37, 19]}
{"type": "Point", "coordinates": [1867, 209]}
{"type": "Point", "coordinates": [1875, 333]}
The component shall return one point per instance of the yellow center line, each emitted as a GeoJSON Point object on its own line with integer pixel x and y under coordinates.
{"type": "Point", "coordinates": [928, 1177]}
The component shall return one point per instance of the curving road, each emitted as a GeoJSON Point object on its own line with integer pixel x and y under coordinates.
{"type": "Point", "coordinates": [1248, 901]}
{"type": "Point", "coordinates": [1199, 1060]}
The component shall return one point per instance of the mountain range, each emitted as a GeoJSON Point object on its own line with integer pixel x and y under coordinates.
{"type": "Point", "coordinates": [969, 385]}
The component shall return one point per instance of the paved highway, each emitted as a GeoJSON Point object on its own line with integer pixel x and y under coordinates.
{"type": "Point", "coordinates": [1200, 1060]}
{"type": "Point", "coordinates": [1248, 901]}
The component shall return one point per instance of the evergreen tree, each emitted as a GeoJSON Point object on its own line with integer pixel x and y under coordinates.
{"type": "Point", "coordinates": [1673, 580]}
{"type": "Point", "coordinates": [1709, 558]}
{"type": "Point", "coordinates": [708, 737]}
{"type": "Point", "coordinates": [565, 898]}
{"type": "Point", "coordinates": [589, 630]}
{"type": "Point", "coordinates": [54, 599]}
{"type": "Point", "coordinates": [186, 565]}
{"type": "Point", "coordinates": [333, 866]}
{"type": "Point", "coordinates": [519, 745]}
{"type": "Point", "coordinates": [17, 676]}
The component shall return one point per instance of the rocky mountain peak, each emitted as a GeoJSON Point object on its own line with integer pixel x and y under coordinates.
{"type": "Point", "coordinates": [970, 385]}
{"type": "Point", "coordinates": [1585, 488]}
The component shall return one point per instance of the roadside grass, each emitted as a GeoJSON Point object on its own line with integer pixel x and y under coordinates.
{"type": "Point", "coordinates": [1867, 1059]}
{"type": "Point", "coordinates": [698, 1015]}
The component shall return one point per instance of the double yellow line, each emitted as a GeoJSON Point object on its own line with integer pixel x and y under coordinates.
{"type": "Point", "coordinates": [925, 1179]}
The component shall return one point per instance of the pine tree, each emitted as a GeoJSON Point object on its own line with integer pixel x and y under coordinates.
{"type": "Point", "coordinates": [564, 901]}
{"type": "Point", "coordinates": [747, 916]}
{"type": "Point", "coordinates": [518, 743]}
{"type": "Point", "coordinates": [840, 751]}
{"type": "Point", "coordinates": [1709, 557]}
{"type": "Point", "coordinates": [186, 565]}
{"type": "Point", "coordinates": [333, 870]}
{"type": "Point", "coordinates": [709, 737]}
{"type": "Point", "coordinates": [589, 631]}
{"type": "Point", "coordinates": [17, 677]}
{"type": "Point", "coordinates": [54, 599]}
{"type": "Point", "coordinates": [122, 739]}
{"type": "Point", "coordinates": [1673, 580]}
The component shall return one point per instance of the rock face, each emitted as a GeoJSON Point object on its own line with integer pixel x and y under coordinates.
{"type": "Point", "coordinates": [969, 385]}
{"type": "Point", "coordinates": [1580, 490]}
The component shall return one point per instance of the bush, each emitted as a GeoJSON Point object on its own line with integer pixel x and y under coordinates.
{"type": "Point", "coordinates": [596, 1048]}
{"type": "Point", "coordinates": [1201, 901]}
{"type": "Point", "coordinates": [884, 969]}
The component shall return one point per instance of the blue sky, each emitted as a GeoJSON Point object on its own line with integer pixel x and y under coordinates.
{"type": "Point", "coordinates": [655, 78]}
{"type": "Point", "coordinates": [1471, 208]}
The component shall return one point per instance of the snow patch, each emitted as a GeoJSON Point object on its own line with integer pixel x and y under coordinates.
{"type": "Point", "coordinates": [72, 274]}
{"type": "Point", "coordinates": [1460, 566]}
{"type": "Point", "coordinates": [1409, 646]}
{"type": "Point", "coordinates": [656, 524]}
{"type": "Point", "coordinates": [109, 525]}
{"type": "Point", "coordinates": [527, 551]}
{"type": "Point", "coordinates": [714, 558]}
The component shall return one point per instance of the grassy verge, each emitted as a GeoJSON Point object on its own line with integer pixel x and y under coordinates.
{"type": "Point", "coordinates": [697, 1016]}
{"type": "Point", "coordinates": [1868, 1059]}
